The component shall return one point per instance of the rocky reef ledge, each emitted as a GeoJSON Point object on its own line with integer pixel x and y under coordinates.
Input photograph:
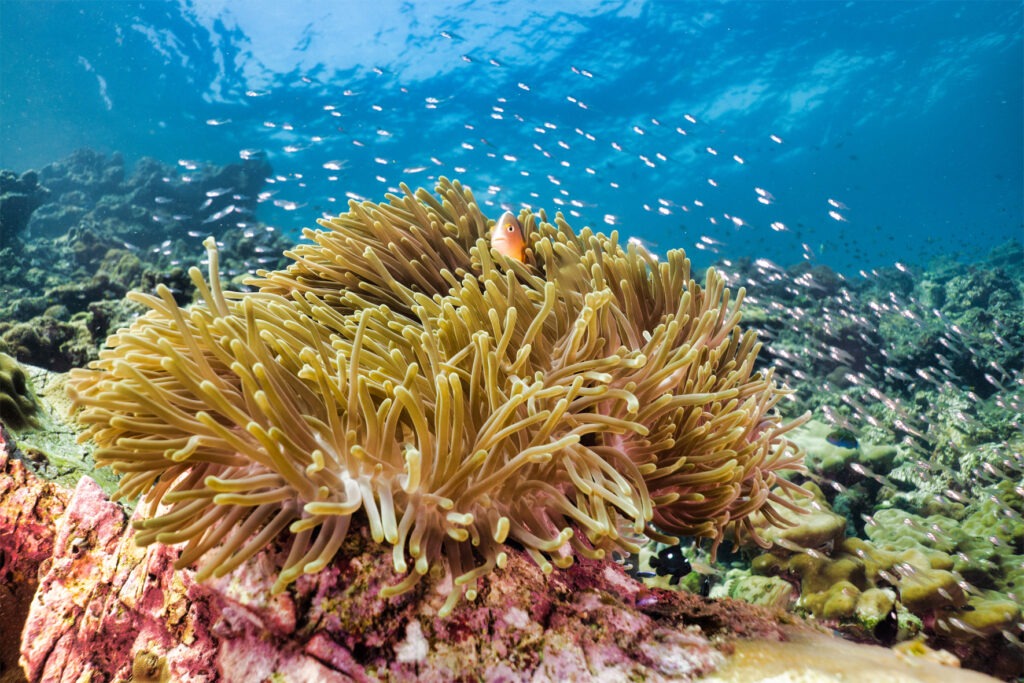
{"type": "Point", "coordinates": [106, 609]}
{"type": "Point", "coordinates": [95, 606]}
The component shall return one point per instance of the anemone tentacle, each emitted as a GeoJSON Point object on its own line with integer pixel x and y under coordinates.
{"type": "Point", "coordinates": [402, 373]}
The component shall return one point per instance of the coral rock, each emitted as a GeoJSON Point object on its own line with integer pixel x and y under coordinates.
{"type": "Point", "coordinates": [29, 508]}
{"type": "Point", "coordinates": [107, 609]}
{"type": "Point", "coordinates": [19, 197]}
{"type": "Point", "coordinates": [90, 189]}
{"type": "Point", "coordinates": [817, 527]}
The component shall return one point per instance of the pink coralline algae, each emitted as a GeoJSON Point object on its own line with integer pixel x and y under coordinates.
{"type": "Point", "coordinates": [107, 609]}
{"type": "Point", "coordinates": [29, 508]}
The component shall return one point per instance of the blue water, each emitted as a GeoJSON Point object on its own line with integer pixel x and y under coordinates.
{"type": "Point", "coordinates": [852, 134]}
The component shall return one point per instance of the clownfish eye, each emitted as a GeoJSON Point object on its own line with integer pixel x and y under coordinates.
{"type": "Point", "coordinates": [510, 228]}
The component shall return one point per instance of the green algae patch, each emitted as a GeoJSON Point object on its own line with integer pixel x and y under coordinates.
{"type": "Point", "coordinates": [49, 444]}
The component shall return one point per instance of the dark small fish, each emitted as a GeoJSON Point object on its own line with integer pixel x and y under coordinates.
{"type": "Point", "coordinates": [842, 437]}
{"type": "Point", "coordinates": [670, 561]}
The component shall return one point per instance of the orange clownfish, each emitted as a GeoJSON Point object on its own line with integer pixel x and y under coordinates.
{"type": "Point", "coordinates": [507, 237]}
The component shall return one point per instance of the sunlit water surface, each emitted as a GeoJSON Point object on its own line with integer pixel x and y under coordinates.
{"type": "Point", "coordinates": [854, 135]}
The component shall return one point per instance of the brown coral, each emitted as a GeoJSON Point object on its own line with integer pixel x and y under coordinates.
{"type": "Point", "coordinates": [18, 405]}
{"type": "Point", "coordinates": [461, 401]}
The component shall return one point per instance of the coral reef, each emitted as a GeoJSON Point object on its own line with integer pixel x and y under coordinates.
{"type": "Point", "coordinates": [911, 567]}
{"type": "Point", "coordinates": [460, 400]}
{"type": "Point", "coordinates": [913, 375]}
{"type": "Point", "coordinates": [98, 234]}
{"type": "Point", "coordinates": [49, 342]}
{"type": "Point", "coordinates": [897, 332]}
{"type": "Point", "coordinates": [915, 381]}
{"type": "Point", "coordinates": [19, 197]}
{"type": "Point", "coordinates": [108, 609]}
{"type": "Point", "coordinates": [90, 189]}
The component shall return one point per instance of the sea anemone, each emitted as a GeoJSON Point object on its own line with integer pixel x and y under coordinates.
{"type": "Point", "coordinates": [455, 400]}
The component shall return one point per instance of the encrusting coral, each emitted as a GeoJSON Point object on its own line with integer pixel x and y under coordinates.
{"type": "Point", "coordinates": [571, 404]}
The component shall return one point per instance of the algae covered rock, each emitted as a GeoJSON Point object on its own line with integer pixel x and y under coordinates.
{"type": "Point", "coordinates": [986, 614]}
{"type": "Point", "coordinates": [830, 450]}
{"type": "Point", "coordinates": [909, 578]}
{"type": "Point", "coordinates": [18, 405]}
{"type": "Point", "coordinates": [817, 526]}
{"type": "Point", "coordinates": [589, 622]}
{"type": "Point", "coordinates": [95, 191]}
{"type": "Point", "coordinates": [19, 197]}
{"type": "Point", "coordinates": [767, 591]}
{"type": "Point", "coordinates": [49, 343]}
{"type": "Point", "coordinates": [875, 605]}
{"type": "Point", "coordinates": [998, 517]}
